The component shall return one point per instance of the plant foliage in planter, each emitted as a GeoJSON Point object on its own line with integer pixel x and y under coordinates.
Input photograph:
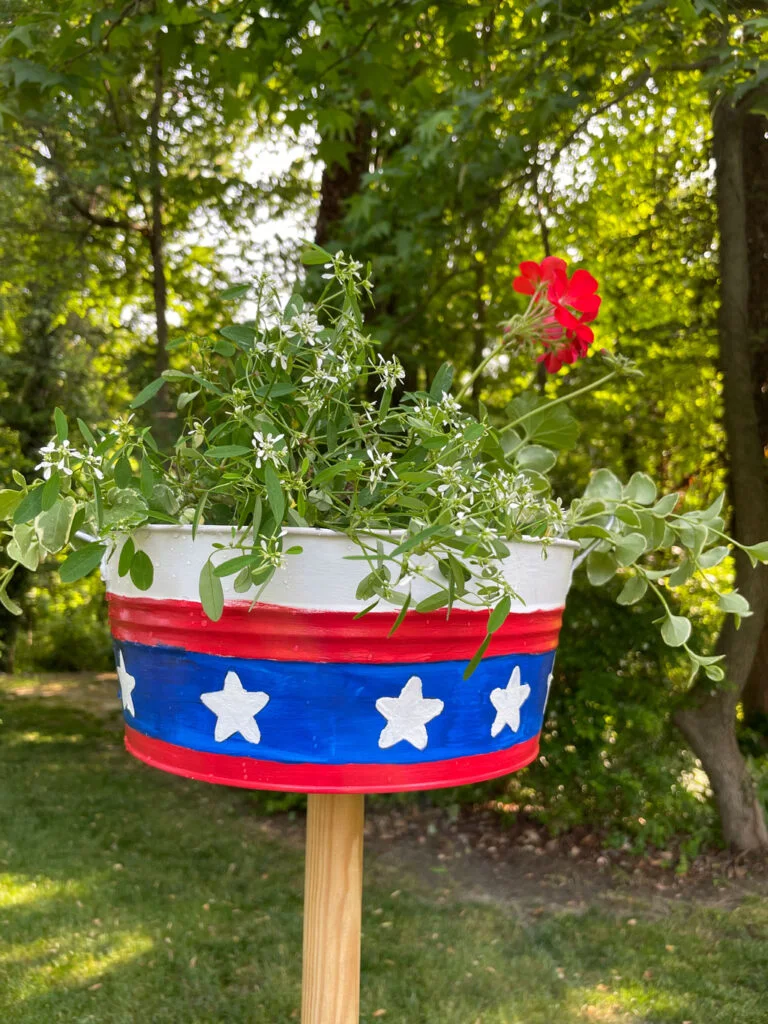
{"type": "Point", "coordinates": [279, 428]}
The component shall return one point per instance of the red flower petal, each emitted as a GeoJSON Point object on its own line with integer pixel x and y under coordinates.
{"type": "Point", "coordinates": [552, 266]}
{"type": "Point", "coordinates": [582, 283]}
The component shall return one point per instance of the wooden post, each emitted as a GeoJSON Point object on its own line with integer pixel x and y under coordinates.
{"type": "Point", "coordinates": [333, 892]}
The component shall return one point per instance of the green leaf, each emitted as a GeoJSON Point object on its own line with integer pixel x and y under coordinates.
{"type": "Point", "coordinates": [142, 572]}
{"type": "Point", "coordinates": [227, 451]}
{"type": "Point", "coordinates": [687, 11]}
{"type": "Point", "coordinates": [734, 604]}
{"type": "Point", "coordinates": [715, 673]}
{"type": "Point", "coordinates": [477, 656]}
{"type": "Point", "coordinates": [757, 552]}
{"type": "Point", "coordinates": [629, 548]}
{"type": "Point", "coordinates": [604, 484]}
{"type": "Point", "coordinates": [123, 472]}
{"type": "Point", "coordinates": [239, 334]}
{"type": "Point", "coordinates": [313, 256]}
{"type": "Point", "coordinates": [50, 491]}
{"type": "Point", "coordinates": [86, 433]}
{"type": "Point", "coordinates": [8, 603]}
{"type": "Point", "coordinates": [62, 427]}
{"type": "Point", "coordinates": [9, 502]}
{"type": "Point", "coordinates": [24, 547]}
{"type": "Point", "coordinates": [442, 382]}
{"type": "Point", "coordinates": [278, 390]}
{"type": "Point", "coordinates": [30, 506]}
{"type": "Point", "coordinates": [534, 456]}
{"type": "Point", "coordinates": [435, 601]}
{"type": "Point", "coordinates": [53, 525]}
{"type": "Point", "coordinates": [714, 510]}
{"type": "Point", "coordinates": [242, 581]}
{"type": "Point", "coordinates": [367, 609]}
{"type": "Point", "coordinates": [499, 614]}
{"type": "Point", "coordinates": [224, 348]}
{"type": "Point", "coordinates": [147, 393]}
{"type": "Point", "coordinates": [627, 515]}
{"type": "Point", "coordinates": [714, 556]}
{"type": "Point", "coordinates": [601, 567]}
{"type": "Point", "coordinates": [415, 539]}
{"type": "Point", "coordinates": [146, 477]}
{"type": "Point", "coordinates": [211, 593]}
{"type": "Point", "coordinates": [589, 530]}
{"type": "Point", "coordinates": [675, 630]}
{"type": "Point", "coordinates": [401, 614]}
{"type": "Point", "coordinates": [236, 291]}
{"type": "Point", "coordinates": [653, 529]}
{"type": "Point", "coordinates": [666, 504]}
{"type": "Point", "coordinates": [633, 590]}
{"type": "Point", "coordinates": [681, 574]}
{"type": "Point", "coordinates": [275, 495]}
{"type": "Point", "coordinates": [548, 425]}
{"type": "Point", "coordinates": [79, 563]}
{"type": "Point", "coordinates": [185, 398]}
{"type": "Point", "coordinates": [126, 557]}
{"type": "Point", "coordinates": [640, 489]}
{"type": "Point", "coordinates": [180, 375]}
{"type": "Point", "coordinates": [233, 565]}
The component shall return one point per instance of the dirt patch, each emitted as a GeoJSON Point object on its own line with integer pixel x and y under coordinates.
{"type": "Point", "coordinates": [95, 692]}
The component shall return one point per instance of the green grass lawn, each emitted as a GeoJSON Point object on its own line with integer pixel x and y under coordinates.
{"type": "Point", "coordinates": [130, 896]}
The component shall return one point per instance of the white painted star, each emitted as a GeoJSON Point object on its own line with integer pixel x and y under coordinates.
{"type": "Point", "coordinates": [550, 677]}
{"type": "Point", "coordinates": [235, 709]}
{"type": "Point", "coordinates": [127, 685]}
{"type": "Point", "coordinates": [407, 715]}
{"type": "Point", "coordinates": [508, 700]}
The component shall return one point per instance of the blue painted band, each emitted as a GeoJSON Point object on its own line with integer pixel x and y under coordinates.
{"type": "Point", "coordinates": [327, 713]}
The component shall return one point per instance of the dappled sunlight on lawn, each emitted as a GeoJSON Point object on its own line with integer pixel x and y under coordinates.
{"type": "Point", "coordinates": [18, 891]}
{"type": "Point", "coordinates": [124, 887]}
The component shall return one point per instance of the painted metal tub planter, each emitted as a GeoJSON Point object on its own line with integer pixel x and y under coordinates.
{"type": "Point", "coordinates": [295, 693]}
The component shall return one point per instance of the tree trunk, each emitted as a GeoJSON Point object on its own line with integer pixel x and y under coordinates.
{"type": "Point", "coordinates": [339, 183]}
{"type": "Point", "coordinates": [162, 413]}
{"type": "Point", "coordinates": [480, 335]}
{"type": "Point", "coordinates": [709, 719]}
{"type": "Point", "coordinates": [755, 696]}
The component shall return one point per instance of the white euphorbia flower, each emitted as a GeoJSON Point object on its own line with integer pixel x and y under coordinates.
{"type": "Point", "coordinates": [266, 450]}
{"type": "Point", "coordinates": [382, 464]}
{"type": "Point", "coordinates": [390, 372]}
{"type": "Point", "coordinates": [94, 463]}
{"type": "Point", "coordinates": [57, 456]}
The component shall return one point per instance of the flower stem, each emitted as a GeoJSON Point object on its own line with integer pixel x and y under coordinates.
{"type": "Point", "coordinates": [558, 401]}
{"type": "Point", "coordinates": [479, 369]}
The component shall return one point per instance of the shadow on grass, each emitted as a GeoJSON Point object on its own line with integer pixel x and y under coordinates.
{"type": "Point", "coordinates": [127, 895]}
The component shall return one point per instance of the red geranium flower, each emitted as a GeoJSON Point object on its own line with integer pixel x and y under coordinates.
{"type": "Point", "coordinates": [532, 274]}
{"type": "Point", "coordinates": [574, 304]}
{"type": "Point", "coordinates": [578, 292]}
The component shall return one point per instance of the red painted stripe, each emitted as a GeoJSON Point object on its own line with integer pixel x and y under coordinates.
{"type": "Point", "coordinates": [249, 773]}
{"type": "Point", "coordinates": [294, 634]}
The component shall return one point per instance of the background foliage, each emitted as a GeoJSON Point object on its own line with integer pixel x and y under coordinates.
{"type": "Point", "coordinates": [444, 142]}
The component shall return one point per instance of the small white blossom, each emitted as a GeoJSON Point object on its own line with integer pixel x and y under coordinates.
{"type": "Point", "coordinates": [94, 463]}
{"type": "Point", "coordinates": [57, 456]}
{"type": "Point", "coordinates": [381, 465]}
{"type": "Point", "coordinates": [344, 269]}
{"type": "Point", "coordinates": [272, 553]}
{"type": "Point", "coordinates": [266, 450]}
{"type": "Point", "coordinates": [390, 372]}
{"type": "Point", "coordinates": [240, 399]}
{"type": "Point", "coordinates": [450, 410]}
{"type": "Point", "coordinates": [122, 427]}
{"type": "Point", "coordinates": [306, 326]}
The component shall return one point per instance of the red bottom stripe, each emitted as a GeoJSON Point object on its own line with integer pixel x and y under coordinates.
{"type": "Point", "coordinates": [250, 773]}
